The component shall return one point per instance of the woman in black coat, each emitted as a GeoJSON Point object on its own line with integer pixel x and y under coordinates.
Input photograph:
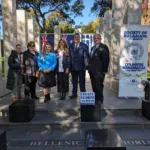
{"type": "Point", "coordinates": [63, 66]}
{"type": "Point", "coordinates": [14, 78]}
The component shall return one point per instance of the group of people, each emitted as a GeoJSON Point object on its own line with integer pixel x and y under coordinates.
{"type": "Point", "coordinates": [52, 67]}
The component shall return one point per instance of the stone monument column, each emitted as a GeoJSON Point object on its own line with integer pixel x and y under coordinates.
{"type": "Point", "coordinates": [134, 11]}
{"type": "Point", "coordinates": [30, 30]}
{"type": "Point", "coordinates": [102, 28]}
{"type": "Point", "coordinates": [107, 39]}
{"type": "Point", "coordinates": [22, 29]}
{"type": "Point", "coordinates": [0, 61]}
{"type": "Point", "coordinates": [9, 28]}
{"type": "Point", "coordinates": [37, 37]}
{"type": "Point", "coordinates": [119, 9]}
{"type": "Point", "coordinates": [97, 29]}
{"type": "Point", "coordinates": [57, 34]}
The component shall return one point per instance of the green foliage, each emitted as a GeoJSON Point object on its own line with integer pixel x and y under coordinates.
{"type": "Point", "coordinates": [100, 6]}
{"type": "Point", "coordinates": [144, 13]}
{"type": "Point", "coordinates": [66, 28]}
{"type": "Point", "coordinates": [91, 27]}
{"type": "Point", "coordinates": [64, 8]}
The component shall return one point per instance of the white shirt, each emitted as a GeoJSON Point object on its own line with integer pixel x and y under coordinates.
{"type": "Point", "coordinates": [60, 59]}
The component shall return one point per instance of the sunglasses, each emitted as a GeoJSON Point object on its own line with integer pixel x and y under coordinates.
{"type": "Point", "coordinates": [96, 38]}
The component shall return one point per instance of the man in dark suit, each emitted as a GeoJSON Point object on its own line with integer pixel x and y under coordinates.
{"type": "Point", "coordinates": [78, 63]}
{"type": "Point", "coordinates": [98, 67]}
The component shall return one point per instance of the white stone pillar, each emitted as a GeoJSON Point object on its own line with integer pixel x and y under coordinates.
{"type": "Point", "coordinates": [30, 30]}
{"type": "Point", "coordinates": [57, 34]}
{"type": "Point", "coordinates": [22, 29]}
{"type": "Point", "coordinates": [97, 29]}
{"type": "Point", "coordinates": [9, 28]}
{"type": "Point", "coordinates": [102, 28]}
{"type": "Point", "coordinates": [119, 8]}
{"type": "Point", "coordinates": [134, 11]}
{"type": "Point", "coordinates": [37, 37]}
{"type": "Point", "coordinates": [0, 61]}
{"type": "Point", "coordinates": [107, 35]}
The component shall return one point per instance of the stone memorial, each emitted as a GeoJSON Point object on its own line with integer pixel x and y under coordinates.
{"type": "Point", "coordinates": [22, 111]}
{"type": "Point", "coordinates": [134, 11]}
{"type": "Point", "coordinates": [22, 29]}
{"type": "Point", "coordinates": [90, 111]}
{"type": "Point", "coordinates": [107, 35]}
{"type": "Point", "coordinates": [0, 62]}
{"type": "Point", "coordinates": [119, 9]}
{"type": "Point", "coordinates": [37, 37]}
{"type": "Point", "coordinates": [102, 28]}
{"type": "Point", "coordinates": [57, 34]}
{"type": "Point", "coordinates": [30, 30]}
{"type": "Point", "coordinates": [103, 139]}
{"type": "Point", "coordinates": [3, 143]}
{"type": "Point", "coordinates": [9, 28]}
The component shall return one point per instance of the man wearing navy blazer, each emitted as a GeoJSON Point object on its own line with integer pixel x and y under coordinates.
{"type": "Point", "coordinates": [78, 64]}
{"type": "Point", "coordinates": [98, 67]}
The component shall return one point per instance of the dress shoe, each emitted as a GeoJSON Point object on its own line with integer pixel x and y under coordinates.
{"type": "Point", "coordinates": [73, 96]}
{"type": "Point", "coordinates": [64, 95]}
{"type": "Point", "coordinates": [46, 100]}
{"type": "Point", "coordinates": [61, 96]}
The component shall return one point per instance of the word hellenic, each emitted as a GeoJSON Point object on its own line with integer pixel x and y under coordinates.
{"type": "Point", "coordinates": [57, 143]}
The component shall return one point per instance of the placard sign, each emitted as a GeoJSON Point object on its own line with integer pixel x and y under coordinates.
{"type": "Point", "coordinates": [87, 98]}
{"type": "Point", "coordinates": [133, 60]}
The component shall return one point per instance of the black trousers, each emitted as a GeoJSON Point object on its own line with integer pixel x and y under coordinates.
{"type": "Point", "coordinates": [75, 76]}
{"type": "Point", "coordinates": [97, 81]}
{"type": "Point", "coordinates": [62, 82]}
{"type": "Point", "coordinates": [30, 86]}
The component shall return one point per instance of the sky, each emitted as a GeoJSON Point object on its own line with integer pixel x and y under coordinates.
{"type": "Point", "coordinates": [87, 15]}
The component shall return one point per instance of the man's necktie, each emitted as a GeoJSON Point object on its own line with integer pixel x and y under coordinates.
{"type": "Point", "coordinates": [94, 48]}
{"type": "Point", "coordinates": [75, 48]}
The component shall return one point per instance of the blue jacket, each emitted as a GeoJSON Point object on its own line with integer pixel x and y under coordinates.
{"type": "Point", "coordinates": [79, 57]}
{"type": "Point", "coordinates": [48, 61]}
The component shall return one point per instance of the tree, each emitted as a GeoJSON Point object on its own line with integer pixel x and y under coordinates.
{"type": "Point", "coordinates": [100, 6]}
{"type": "Point", "coordinates": [91, 27]}
{"type": "Point", "coordinates": [55, 19]}
{"type": "Point", "coordinates": [41, 9]}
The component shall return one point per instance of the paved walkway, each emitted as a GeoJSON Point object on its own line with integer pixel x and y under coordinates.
{"type": "Point", "coordinates": [111, 100]}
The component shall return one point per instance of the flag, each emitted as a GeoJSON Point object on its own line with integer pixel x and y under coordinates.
{"type": "Point", "coordinates": [44, 40]}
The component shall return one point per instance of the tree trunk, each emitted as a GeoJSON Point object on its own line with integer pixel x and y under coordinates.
{"type": "Point", "coordinates": [44, 25]}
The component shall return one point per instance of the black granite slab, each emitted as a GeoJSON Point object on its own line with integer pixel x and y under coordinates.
{"type": "Point", "coordinates": [91, 113]}
{"type": "Point", "coordinates": [22, 111]}
{"type": "Point", "coordinates": [103, 139]}
{"type": "Point", "coordinates": [3, 145]}
{"type": "Point", "coordinates": [146, 109]}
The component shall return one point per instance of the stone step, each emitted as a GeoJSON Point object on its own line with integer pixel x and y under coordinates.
{"type": "Point", "coordinates": [132, 139]}
{"type": "Point", "coordinates": [63, 120]}
{"type": "Point", "coordinates": [42, 110]}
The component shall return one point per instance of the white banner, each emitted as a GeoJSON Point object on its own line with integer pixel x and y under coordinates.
{"type": "Point", "coordinates": [133, 60]}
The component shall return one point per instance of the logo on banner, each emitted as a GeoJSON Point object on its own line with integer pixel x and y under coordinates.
{"type": "Point", "coordinates": [134, 51]}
